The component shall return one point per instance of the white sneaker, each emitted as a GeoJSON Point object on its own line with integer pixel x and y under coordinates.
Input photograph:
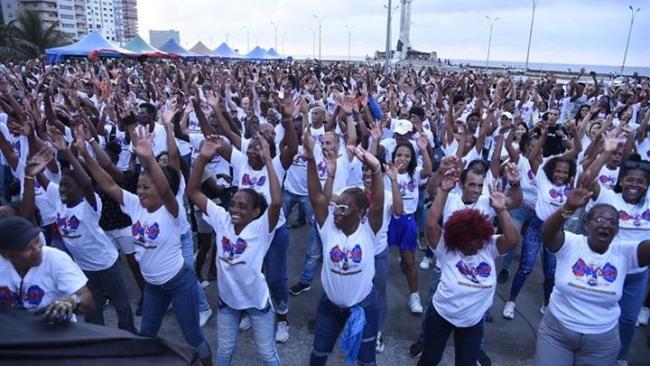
{"type": "Point", "coordinates": [542, 310]}
{"type": "Point", "coordinates": [426, 263]}
{"type": "Point", "coordinates": [621, 363]}
{"type": "Point", "coordinates": [644, 315]}
{"type": "Point", "coordinates": [282, 332]}
{"type": "Point", "coordinates": [244, 323]}
{"type": "Point", "coordinates": [204, 316]}
{"type": "Point", "coordinates": [509, 310]}
{"type": "Point", "coordinates": [205, 284]}
{"type": "Point", "coordinates": [380, 347]}
{"type": "Point", "coordinates": [414, 303]}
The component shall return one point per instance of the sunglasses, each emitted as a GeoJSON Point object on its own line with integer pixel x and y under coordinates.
{"type": "Point", "coordinates": [600, 221]}
{"type": "Point", "coordinates": [339, 209]}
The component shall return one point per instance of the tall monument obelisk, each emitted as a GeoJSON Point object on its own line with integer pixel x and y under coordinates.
{"type": "Point", "coordinates": [404, 42]}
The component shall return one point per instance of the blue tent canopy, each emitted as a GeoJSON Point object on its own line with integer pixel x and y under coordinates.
{"type": "Point", "coordinates": [225, 51]}
{"type": "Point", "coordinates": [273, 53]}
{"type": "Point", "coordinates": [174, 48]}
{"type": "Point", "coordinates": [139, 45]}
{"type": "Point", "coordinates": [259, 53]}
{"type": "Point", "coordinates": [93, 42]}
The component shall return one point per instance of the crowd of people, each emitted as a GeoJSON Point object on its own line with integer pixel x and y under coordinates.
{"type": "Point", "coordinates": [181, 166]}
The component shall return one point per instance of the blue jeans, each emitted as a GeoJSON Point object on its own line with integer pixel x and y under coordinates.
{"type": "Point", "coordinates": [433, 285]}
{"type": "Point", "coordinates": [53, 238]}
{"type": "Point", "coordinates": [109, 282]}
{"type": "Point", "coordinates": [520, 216]}
{"type": "Point", "coordinates": [314, 253]}
{"type": "Point", "coordinates": [187, 248]}
{"type": "Point", "coordinates": [182, 291]}
{"type": "Point", "coordinates": [330, 320]}
{"type": "Point", "coordinates": [467, 341]}
{"type": "Point", "coordinates": [382, 266]}
{"type": "Point", "coordinates": [630, 303]}
{"type": "Point", "coordinates": [530, 247]}
{"type": "Point", "coordinates": [275, 264]}
{"type": "Point", "coordinates": [262, 322]}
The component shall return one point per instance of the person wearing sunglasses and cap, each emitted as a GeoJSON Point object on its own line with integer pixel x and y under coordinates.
{"type": "Point", "coordinates": [581, 326]}
{"type": "Point", "coordinates": [39, 278]}
{"type": "Point", "coordinates": [631, 200]}
{"type": "Point", "coordinates": [348, 225]}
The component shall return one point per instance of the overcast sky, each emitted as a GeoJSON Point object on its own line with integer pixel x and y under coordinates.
{"type": "Point", "coordinates": [566, 31]}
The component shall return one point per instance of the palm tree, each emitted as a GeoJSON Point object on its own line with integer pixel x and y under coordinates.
{"type": "Point", "coordinates": [28, 37]}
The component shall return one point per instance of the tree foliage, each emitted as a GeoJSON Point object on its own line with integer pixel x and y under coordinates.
{"type": "Point", "coordinates": [27, 37]}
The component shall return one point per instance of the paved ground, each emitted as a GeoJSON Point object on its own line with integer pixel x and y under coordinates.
{"type": "Point", "coordinates": [508, 342]}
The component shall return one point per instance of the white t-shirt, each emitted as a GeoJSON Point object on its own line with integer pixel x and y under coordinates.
{"type": "Point", "coordinates": [218, 165]}
{"type": "Point", "coordinates": [588, 285]}
{"type": "Point", "coordinates": [343, 169]}
{"type": "Point", "coordinates": [125, 154]}
{"type": "Point", "coordinates": [549, 196]}
{"type": "Point", "coordinates": [157, 239]}
{"type": "Point", "coordinates": [528, 183]}
{"type": "Point", "coordinates": [57, 276]}
{"type": "Point", "coordinates": [46, 207]}
{"type": "Point", "coordinates": [239, 258]}
{"type": "Point", "coordinates": [79, 227]}
{"type": "Point", "coordinates": [382, 235]}
{"type": "Point", "coordinates": [644, 149]}
{"type": "Point", "coordinates": [467, 284]}
{"type": "Point", "coordinates": [348, 263]}
{"type": "Point", "coordinates": [455, 203]}
{"type": "Point", "coordinates": [409, 189]}
{"type": "Point", "coordinates": [296, 180]}
{"type": "Point", "coordinates": [607, 178]}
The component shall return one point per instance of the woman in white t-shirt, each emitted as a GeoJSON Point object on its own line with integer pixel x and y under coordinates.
{"type": "Point", "coordinates": [553, 182]}
{"type": "Point", "coordinates": [156, 217]}
{"type": "Point", "coordinates": [581, 324]}
{"type": "Point", "coordinates": [403, 230]}
{"type": "Point", "coordinates": [347, 225]}
{"type": "Point", "coordinates": [39, 278]}
{"type": "Point", "coordinates": [468, 274]}
{"type": "Point", "coordinates": [243, 235]}
{"type": "Point", "coordinates": [630, 198]}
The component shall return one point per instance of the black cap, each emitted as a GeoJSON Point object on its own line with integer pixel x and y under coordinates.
{"type": "Point", "coordinates": [16, 232]}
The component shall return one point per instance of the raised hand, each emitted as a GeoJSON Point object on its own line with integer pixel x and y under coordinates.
{"type": "Point", "coordinates": [266, 151]}
{"type": "Point", "coordinates": [167, 113]}
{"type": "Point", "coordinates": [210, 146]}
{"type": "Point", "coordinates": [366, 157]}
{"type": "Point", "coordinates": [449, 180]}
{"type": "Point", "coordinates": [422, 142]}
{"type": "Point", "coordinates": [449, 162]}
{"type": "Point", "coordinates": [577, 198]}
{"type": "Point", "coordinates": [55, 136]}
{"type": "Point", "coordinates": [497, 200]}
{"type": "Point", "coordinates": [610, 144]}
{"type": "Point", "coordinates": [392, 170]}
{"type": "Point", "coordinates": [212, 99]}
{"type": "Point", "coordinates": [142, 141]}
{"type": "Point", "coordinates": [330, 158]}
{"type": "Point", "coordinates": [307, 144]}
{"type": "Point", "coordinates": [375, 132]}
{"type": "Point", "coordinates": [347, 105]}
{"type": "Point", "coordinates": [38, 162]}
{"type": "Point", "coordinates": [512, 173]}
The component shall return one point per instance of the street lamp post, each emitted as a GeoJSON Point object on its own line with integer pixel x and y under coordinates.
{"type": "Point", "coordinates": [349, 28]}
{"type": "Point", "coordinates": [248, 38]}
{"type": "Point", "coordinates": [492, 22]}
{"type": "Point", "coordinates": [284, 34]}
{"type": "Point", "coordinates": [389, 18]}
{"type": "Point", "coordinates": [530, 34]}
{"type": "Point", "coordinates": [275, 25]}
{"type": "Point", "coordinates": [313, 44]}
{"type": "Point", "coordinates": [225, 33]}
{"type": "Point", "coordinates": [629, 33]}
{"type": "Point", "coordinates": [320, 20]}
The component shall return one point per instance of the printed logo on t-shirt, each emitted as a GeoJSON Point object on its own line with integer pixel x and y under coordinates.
{"type": "Point", "coordinates": [251, 182]}
{"type": "Point", "coordinates": [300, 161]}
{"type": "Point", "coordinates": [531, 177]}
{"type": "Point", "coordinates": [607, 181]}
{"type": "Point", "coordinates": [30, 298]}
{"type": "Point", "coordinates": [636, 220]}
{"type": "Point", "coordinates": [68, 226]}
{"type": "Point", "coordinates": [345, 261]}
{"type": "Point", "coordinates": [321, 168]}
{"type": "Point", "coordinates": [319, 137]}
{"type": "Point", "coordinates": [558, 195]}
{"type": "Point", "coordinates": [475, 274]}
{"type": "Point", "coordinates": [594, 275]}
{"type": "Point", "coordinates": [143, 234]}
{"type": "Point", "coordinates": [232, 252]}
{"type": "Point", "coordinates": [408, 186]}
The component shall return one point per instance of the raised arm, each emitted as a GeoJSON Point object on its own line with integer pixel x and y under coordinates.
{"type": "Point", "coordinates": [434, 231]}
{"type": "Point", "coordinates": [427, 165]}
{"type": "Point", "coordinates": [34, 167]}
{"type": "Point", "coordinates": [319, 201]}
{"type": "Point", "coordinates": [610, 144]}
{"type": "Point", "coordinates": [553, 228]}
{"type": "Point", "coordinates": [289, 144]}
{"type": "Point", "coordinates": [209, 149]}
{"type": "Point", "coordinates": [398, 202]}
{"type": "Point", "coordinates": [510, 235]}
{"type": "Point", "coordinates": [376, 210]}
{"type": "Point", "coordinates": [513, 175]}
{"type": "Point", "coordinates": [275, 206]}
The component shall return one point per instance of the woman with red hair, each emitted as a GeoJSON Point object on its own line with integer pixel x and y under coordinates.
{"type": "Point", "coordinates": [466, 253]}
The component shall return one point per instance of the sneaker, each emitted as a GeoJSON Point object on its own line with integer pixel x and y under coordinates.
{"type": "Point", "coordinates": [299, 288]}
{"type": "Point", "coordinates": [426, 263]}
{"type": "Point", "coordinates": [509, 310]}
{"type": "Point", "coordinates": [488, 317]}
{"type": "Point", "coordinates": [282, 332]}
{"type": "Point", "coordinates": [483, 359]}
{"type": "Point", "coordinates": [244, 323]}
{"type": "Point", "coordinates": [621, 363]}
{"type": "Point", "coordinates": [542, 310]}
{"type": "Point", "coordinates": [138, 308]}
{"type": "Point", "coordinates": [644, 315]}
{"type": "Point", "coordinates": [415, 350]}
{"type": "Point", "coordinates": [204, 316]}
{"type": "Point", "coordinates": [380, 347]}
{"type": "Point", "coordinates": [107, 303]}
{"type": "Point", "coordinates": [503, 277]}
{"type": "Point", "coordinates": [205, 284]}
{"type": "Point", "coordinates": [414, 303]}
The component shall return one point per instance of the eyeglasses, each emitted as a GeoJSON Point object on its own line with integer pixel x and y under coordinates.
{"type": "Point", "coordinates": [339, 209]}
{"type": "Point", "coordinates": [601, 221]}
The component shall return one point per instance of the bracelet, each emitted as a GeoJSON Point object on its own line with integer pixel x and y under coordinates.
{"type": "Point", "coordinates": [499, 211]}
{"type": "Point", "coordinates": [30, 178]}
{"type": "Point", "coordinates": [330, 176]}
{"type": "Point", "coordinates": [91, 140]}
{"type": "Point", "coordinates": [514, 184]}
{"type": "Point", "coordinates": [377, 172]}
